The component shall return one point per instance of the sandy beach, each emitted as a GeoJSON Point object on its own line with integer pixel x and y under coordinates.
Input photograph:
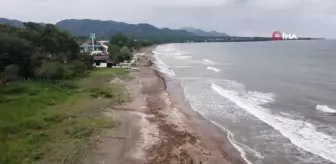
{"type": "Point", "coordinates": [159, 126]}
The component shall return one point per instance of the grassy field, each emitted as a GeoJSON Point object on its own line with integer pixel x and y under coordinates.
{"type": "Point", "coordinates": [44, 122]}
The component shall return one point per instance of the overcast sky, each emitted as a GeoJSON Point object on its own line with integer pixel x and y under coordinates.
{"type": "Point", "coordinates": [315, 18]}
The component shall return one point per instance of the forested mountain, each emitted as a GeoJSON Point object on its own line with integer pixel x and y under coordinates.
{"type": "Point", "coordinates": [200, 32]}
{"type": "Point", "coordinates": [107, 28]}
{"type": "Point", "coordinates": [83, 27]}
{"type": "Point", "coordinates": [14, 23]}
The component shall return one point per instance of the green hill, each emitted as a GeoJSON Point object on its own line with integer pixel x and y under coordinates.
{"type": "Point", "coordinates": [107, 28]}
{"type": "Point", "coordinates": [14, 23]}
{"type": "Point", "coordinates": [200, 32]}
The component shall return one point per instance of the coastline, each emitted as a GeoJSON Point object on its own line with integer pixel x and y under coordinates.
{"type": "Point", "coordinates": [167, 128]}
{"type": "Point", "coordinates": [264, 129]}
{"type": "Point", "coordinates": [159, 126]}
{"type": "Point", "coordinates": [204, 142]}
{"type": "Point", "coordinates": [208, 130]}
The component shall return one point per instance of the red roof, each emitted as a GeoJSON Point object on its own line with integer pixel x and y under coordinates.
{"type": "Point", "coordinates": [100, 57]}
{"type": "Point", "coordinates": [103, 58]}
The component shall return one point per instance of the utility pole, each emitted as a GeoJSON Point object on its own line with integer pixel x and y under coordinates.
{"type": "Point", "coordinates": [93, 36]}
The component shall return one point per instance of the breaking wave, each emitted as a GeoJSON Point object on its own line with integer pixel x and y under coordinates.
{"type": "Point", "coordinates": [164, 68]}
{"type": "Point", "coordinates": [325, 108]}
{"type": "Point", "coordinates": [300, 133]}
{"type": "Point", "coordinates": [207, 61]}
{"type": "Point", "coordinates": [213, 69]}
{"type": "Point", "coordinates": [182, 57]}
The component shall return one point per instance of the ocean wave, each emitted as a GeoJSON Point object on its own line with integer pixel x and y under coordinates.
{"type": "Point", "coordinates": [236, 144]}
{"type": "Point", "coordinates": [169, 50]}
{"type": "Point", "coordinates": [165, 53]}
{"type": "Point", "coordinates": [230, 135]}
{"type": "Point", "coordinates": [182, 66]}
{"type": "Point", "coordinates": [213, 69]}
{"type": "Point", "coordinates": [164, 68]}
{"type": "Point", "coordinates": [300, 133]}
{"type": "Point", "coordinates": [207, 61]}
{"type": "Point", "coordinates": [182, 57]}
{"type": "Point", "coordinates": [325, 108]}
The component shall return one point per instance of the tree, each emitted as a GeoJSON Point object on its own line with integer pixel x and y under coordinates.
{"type": "Point", "coordinates": [132, 44]}
{"type": "Point", "coordinates": [113, 49]}
{"type": "Point", "coordinates": [77, 67]}
{"type": "Point", "coordinates": [119, 40]}
{"type": "Point", "coordinates": [126, 53]}
{"type": "Point", "coordinates": [39, 50]}
{"type": "Point", "coordinates": [87, 59]}
{"type": "Point", "coordinates": [120, 58]}
{"type": "Point", "coordinates": [16, 51]}
{"type": "Point", "coordinates": [34, 26]}
{"type": "Point", "coordinates": [114, 52]}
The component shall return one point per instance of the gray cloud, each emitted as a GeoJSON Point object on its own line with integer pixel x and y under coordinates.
{"type": "Point", "coordinates": [316, 18]}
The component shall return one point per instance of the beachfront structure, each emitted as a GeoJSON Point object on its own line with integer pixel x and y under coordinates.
{"type": "Point", "coordinates": [103, 41]}
{"type": "Point", "coordinates": [103, 61]}
{"type": "Point", "coordinates": [88, 47]}
{"type": "Point", "coordinates": [97, 47]}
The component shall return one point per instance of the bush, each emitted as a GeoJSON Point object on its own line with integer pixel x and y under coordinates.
{"type": "Point", "coordinates": [53, 71]}
{"type": "Point", "coordinates": [24, 51]}
{"type": "Point", "coordinates": [77, 67]}
{"type": "Point", "coordinates": [11, 73]}
{"type": "Point", "coordinates": [126, 53]}
{"type": "Point", "coordinates": [87, 60]}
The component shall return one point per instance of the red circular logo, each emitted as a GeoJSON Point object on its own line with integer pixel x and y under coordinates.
{"type": "Point", "coordinates": [277, 35]}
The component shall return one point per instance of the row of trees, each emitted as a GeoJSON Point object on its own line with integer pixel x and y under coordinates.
{"type": "Point", "coordinates": [42, 51]}
{"type": "Point", "coordinates": [39, 51]}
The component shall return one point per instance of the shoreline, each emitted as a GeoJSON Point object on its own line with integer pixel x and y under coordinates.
{"type": "Point", "coordinates": [203, 125]}
{"type": "Point", "coordinates": [251, 143]}
{"type": "Point", "coordinates": [212, 141]}
{"type": "Point", "coordinates": [168, 128]}
{"type": "Point", "coordinates": [159, 126]}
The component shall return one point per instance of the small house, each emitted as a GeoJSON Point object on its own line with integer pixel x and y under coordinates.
{"type": "Point", "coordinates": [103, 61]}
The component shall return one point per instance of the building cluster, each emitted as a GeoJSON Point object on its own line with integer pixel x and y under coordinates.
{"type": "Point", "coordinates": [100, 54]}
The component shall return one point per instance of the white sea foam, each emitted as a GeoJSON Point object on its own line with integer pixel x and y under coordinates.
{"type": "Point", "coordinates": [235, 144]}
{"type": "Point", "coordinates": [325, 108]}
{"type": "Point", "coordinates": [164, 68]}
{"type": "Point", "coordinates": [213, 69]}
{"type": "Point", "coordinates": [166, 53]}
{"type": "Point", "coordinates": [182, 66]}
{"type": "Point", "coordinates": [230, 135]}
{"type": "Point", "coordinates": [209, 62]}
{"type": "Point", "coordinates": [182, 57]}
{"type": "Point", "coordinates": [300, 133]}
{"type": "Point", "coordinates": [205, 62]}
{"type": "Point", "coordinates": [169, 50]}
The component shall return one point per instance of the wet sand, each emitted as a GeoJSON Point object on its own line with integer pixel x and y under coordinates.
{"type": "Point", "coordinates": [184, 136]}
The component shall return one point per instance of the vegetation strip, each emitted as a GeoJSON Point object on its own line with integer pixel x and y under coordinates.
{"type": "Point", "coordinates": [52, 122]}
{"type": "Point", "coordinates": [51, 98]}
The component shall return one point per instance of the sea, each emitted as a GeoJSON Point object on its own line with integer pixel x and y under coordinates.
{"type": "Point", "coordinates": [276, 100]}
